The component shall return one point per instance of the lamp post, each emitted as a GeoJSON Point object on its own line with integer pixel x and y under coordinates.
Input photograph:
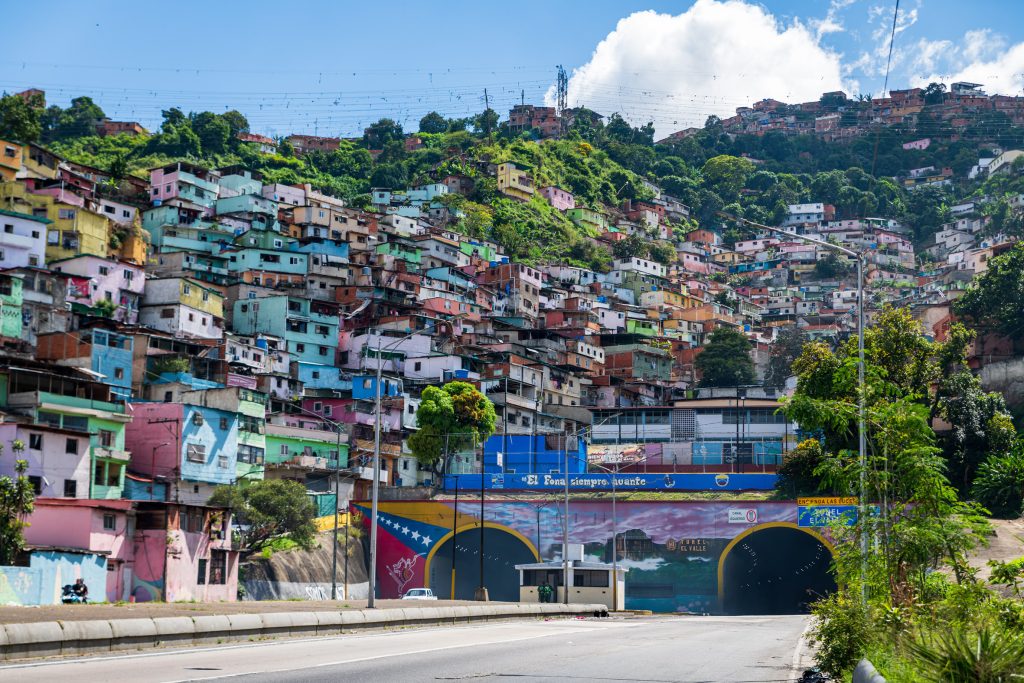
{"type": "Point", "coordinates": [565, 526]}
{"type": "Point", "coordinates": [861, 389]}
{"type": "Point", "coordinates": [337, 427]}
{"type": "Point", "coordinates": [375, 496]}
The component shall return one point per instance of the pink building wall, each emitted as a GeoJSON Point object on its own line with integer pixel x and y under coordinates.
{"type": "Point", "coordinates": [558, 198]}
{"type": "Point", "coordinates": [143, 438]}
{"type": "Point", "coordinates": [114, 282]}
{"type": "Point", "coordinates": [73, 523]}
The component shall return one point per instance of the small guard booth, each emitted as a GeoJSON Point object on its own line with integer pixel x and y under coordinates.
{"type": "Point", "coordinates": [590, 582]}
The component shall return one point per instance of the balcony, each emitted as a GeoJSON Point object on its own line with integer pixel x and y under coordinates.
{"type": "Point", "coordinates": [514, 400]}
{"type": "Point", "coordinates": [111, 454]}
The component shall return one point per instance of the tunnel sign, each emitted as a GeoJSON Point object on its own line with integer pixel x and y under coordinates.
{"type": "Point", "coordinates": [827, 500]}
{"type": "Point", "coordinates": [825, 515]}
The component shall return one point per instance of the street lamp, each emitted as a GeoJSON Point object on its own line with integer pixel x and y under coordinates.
{"type": "Point", "coordinates": [861, 389]}
{"type": "Point", "coordinates": [375, 496]}
{"type": "Point", "coordinates": [337, 427]}
{"type": "Point", "coordinates": [565, 526]}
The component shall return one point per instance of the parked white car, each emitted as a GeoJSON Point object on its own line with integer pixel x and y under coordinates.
{"type": "Point", "coordinates": [419, 594]}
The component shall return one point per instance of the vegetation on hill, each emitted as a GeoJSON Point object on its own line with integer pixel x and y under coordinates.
{"type": "Point", "coordinates": [602, 161]}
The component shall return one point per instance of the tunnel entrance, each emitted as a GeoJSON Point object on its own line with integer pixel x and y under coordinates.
{"type": "Point", "coordinates": [775, 570]}
{"type": "Point", "coordinates": [502, 552]}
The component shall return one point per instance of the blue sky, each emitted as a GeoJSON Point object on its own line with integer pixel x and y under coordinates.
{"type": "Point", "coordinates": [332, 68]}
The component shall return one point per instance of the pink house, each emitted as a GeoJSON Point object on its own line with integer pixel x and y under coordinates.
{"type": "Point", "coordinates": [94, 279]}
{"type": "Point", "coordinates": [98, 526]}
{"type": "Point", "coordinates": [183, 553]}
{"type": "Point", "coordinates": [918, 144]}
{"type": "Point", "coordinates": [558, 198]}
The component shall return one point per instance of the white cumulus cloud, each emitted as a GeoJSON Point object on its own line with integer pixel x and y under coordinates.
{"type": "Point", "coordinates": [981, 57]}
{"type": "Point", "coordinates": [675, 70]}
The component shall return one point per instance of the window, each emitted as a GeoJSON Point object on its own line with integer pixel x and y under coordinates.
{"type": "Point", "coordinates": [36, 483]}
{"type": "Point", "coordinates": [201, 578]}
{"type": "Point", "coordinates": [300, 348]}
{"type": "Point", "coordinates": [196, 452]}
{"type": "Point", "coordinates": [417, 366]}
{"type": "Point", "coordinates": [197, 419]}
{"type": "Point", "coordinates": [71, 446]}
{"type": "Point", "coordinates": [109, 522]}
{"type": "Point", "coordinates": [218, 567]}
{"type": "Point", "coordinates": [128, 275]}
{"type": "Point", "coordinates": [68, 214]}
{"type": "Point", "coordinates": [104, 270]}
{"type": "Point", "coordinates": [35, 442]}
{"type": "Point", "coordinates": [118, 373]}
{"type": "Point", "coordinates": [70, 488]}
{"type": "Point", "coordinates": [106, 438]}
{"type": "Point", "coordinates": [222, 461]}
{"type": "Point", "coordinates": [166, 313]}
{"type": "Point", "coordinates": [323, 350]}
{"type": "Point", "coordinates": [224, 424]}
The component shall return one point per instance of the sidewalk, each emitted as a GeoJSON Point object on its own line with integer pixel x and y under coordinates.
{"type": "Point", "coordinates": [147, 610]}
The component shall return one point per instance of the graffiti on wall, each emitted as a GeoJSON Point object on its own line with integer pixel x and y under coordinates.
{"type": "Point", "coordinates": [673, 550]}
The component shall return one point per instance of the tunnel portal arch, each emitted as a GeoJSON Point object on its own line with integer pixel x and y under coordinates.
{"type": "Point", "coordinates": [504, 548]}
{"type": "Point", "coordinates": [775, 568]}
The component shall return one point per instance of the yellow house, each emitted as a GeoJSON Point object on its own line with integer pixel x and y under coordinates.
{"type": "Point", "coordinates": [515, 182]}
{"type": "Point", "coordinates": [74, 231]}
{"type": "Point", "coordinates": [134, 246]}
{"type": "Point", "coordinates": [201, 297]}
{"type": "Point", "coordinates": [10, 159]}
{"type": "Point", "coordinates": [40, 163]}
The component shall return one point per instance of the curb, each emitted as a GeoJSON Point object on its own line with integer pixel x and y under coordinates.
{"type": "Point", "coordinates": [65, 638]}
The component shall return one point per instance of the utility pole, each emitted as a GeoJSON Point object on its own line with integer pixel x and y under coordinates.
{"type": "Point", "coordinates": [565, 525]}
{"type": "Point", "coordinates": [487, 101]}
{"type": "Point", "coordinates": [481, 591]}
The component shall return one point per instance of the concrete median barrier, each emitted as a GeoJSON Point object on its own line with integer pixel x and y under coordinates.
{"type": "Point", "coordinates": [55, 638]}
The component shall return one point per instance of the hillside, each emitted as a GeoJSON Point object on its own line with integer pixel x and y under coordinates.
{"type": "Point", "coordinates": [603, 163]}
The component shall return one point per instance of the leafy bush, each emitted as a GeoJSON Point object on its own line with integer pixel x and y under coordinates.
{"type": "Point", "coordinates": [840, 633]}
{"type": "Point", "coordinates": [999, 485]}
{"type": "Point", "coordinates": [985, 655]}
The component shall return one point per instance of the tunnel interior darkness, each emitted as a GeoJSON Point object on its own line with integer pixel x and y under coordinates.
{"type": "Point", "coordinates": [778, 570]}
{"type": "Point", "coordinates": [502, 552]}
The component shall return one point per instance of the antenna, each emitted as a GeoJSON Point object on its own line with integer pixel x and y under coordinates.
{"type": "Point", "coordinates": [562, 89]}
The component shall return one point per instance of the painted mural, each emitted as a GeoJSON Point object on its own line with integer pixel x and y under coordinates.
{"type": "Point", "coordinates": [48, 572]}
{"type": "Point", "coordinates": [680, 556]}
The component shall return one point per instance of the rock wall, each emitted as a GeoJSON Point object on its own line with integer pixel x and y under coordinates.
{"type": "Point", "coordinates": [1006, 377]}
{"type": "Point", "coordinates": [305, 574]}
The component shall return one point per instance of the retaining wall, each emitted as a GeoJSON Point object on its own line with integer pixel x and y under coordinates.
{"type": "Point", "coordinates": [62, 638]}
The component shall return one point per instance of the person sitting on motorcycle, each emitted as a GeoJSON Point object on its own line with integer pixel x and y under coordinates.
{"type": "Point", "coordinates": [81, 590]}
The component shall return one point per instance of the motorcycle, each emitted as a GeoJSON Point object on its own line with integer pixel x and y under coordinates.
{"type": "Point", "coordinates": [70, 597]}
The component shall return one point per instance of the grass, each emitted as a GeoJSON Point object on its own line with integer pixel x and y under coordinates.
{"type": "Point", "coordinates": [278, 545]}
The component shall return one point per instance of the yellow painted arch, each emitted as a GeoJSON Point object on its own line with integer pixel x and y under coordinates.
{"type": "Point", "coordinates": [753, 530]}
{"type": "Point", "coordinates": [474, 526]}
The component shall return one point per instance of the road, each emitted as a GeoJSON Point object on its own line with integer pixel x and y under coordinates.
{"type": "Point", "coordinates": [691, 649]}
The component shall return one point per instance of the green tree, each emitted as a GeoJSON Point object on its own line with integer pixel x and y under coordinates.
{"type": "Point", "coordinates": [269, 509]}
{"type": "Point", "coordinates": [934, 93]}
{"type": "Point", "coordinates": [433, 123]}
{"type": "Point", "coordinates": [486, 122]}
{"type": "Point", "coordinates": [19, 119]}
{"type": "Point", "coordinates": [797, 473]}
{"type": "Point", "coordinates": [634, 246]}
{"type": "Point", "coordinates": [999, 485]}
{"type": "Point", "coordinates": [237, 123]}
{"type": "Point", "coordinates": [786, 348]}
{"type": "Point", "coordinates": [213, 131]}
{"type": "Point", "coordinates": [662, 252]}
{"type": "Point", "coordinates": [450, 417]}
{"type": "Point", "coordinates": [79, 120]}
{"type": "Point", "coordinates": [17, 500]}
{"type": "Point", "coordinates": [382, 132]}
{"type": "Point", "coordinates": [726, 175]}
{"type": "Point", "coordinates": [725, 360]}
{"type": "Point", "coordinates": [995, 300]}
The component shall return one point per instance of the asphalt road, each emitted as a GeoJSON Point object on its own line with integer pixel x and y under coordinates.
{"type": "Point", "coordinates": [719, 649]}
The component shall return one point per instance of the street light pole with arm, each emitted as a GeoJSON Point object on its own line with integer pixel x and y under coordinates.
{"type": "Point", "coordinates": [337, 501]}
{"type": "Point", "coordinates": [861, 389]}
{"type": "Point", "coordinates": [375, 495]}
